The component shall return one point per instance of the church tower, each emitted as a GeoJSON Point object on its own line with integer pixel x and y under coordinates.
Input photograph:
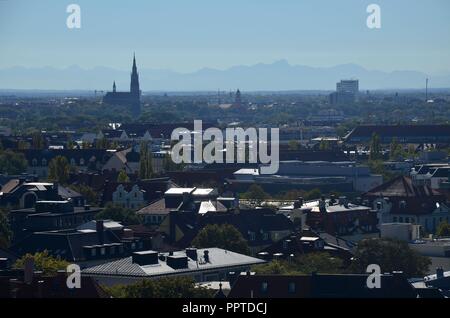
{"type": "Point", "coordinates": [237, 98]}
{"type": "Point", "coordinates": [134, 85]}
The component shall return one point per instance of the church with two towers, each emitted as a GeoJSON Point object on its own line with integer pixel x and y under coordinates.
{"type": "Point", "coordinates": [131, 99]}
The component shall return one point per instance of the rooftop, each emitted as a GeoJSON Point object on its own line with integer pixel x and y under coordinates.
{"type": "Point", "coordinates": [218, 258]}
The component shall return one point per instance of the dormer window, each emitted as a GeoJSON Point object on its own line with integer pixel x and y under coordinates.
{"type": "Point", "coordinates": [34, 162]}
{"type": "Point", "coordinates": [72, 162]}
{"type": "Point", "coordinates": [81, 162]}
{"type": "Point", "coordinates": [264, 287]}
{"type": "Point", "coordinates": [44, 162]}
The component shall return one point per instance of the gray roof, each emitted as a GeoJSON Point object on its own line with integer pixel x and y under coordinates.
{"type": "Point", "coordinates": [218, 258]}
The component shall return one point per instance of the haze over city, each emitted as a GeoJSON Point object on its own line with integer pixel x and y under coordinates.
{"type": "Point", "coordinates": [172, 37]}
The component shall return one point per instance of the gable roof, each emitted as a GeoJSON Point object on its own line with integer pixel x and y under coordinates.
{"type": "Point", "coordinates": [402, 186]}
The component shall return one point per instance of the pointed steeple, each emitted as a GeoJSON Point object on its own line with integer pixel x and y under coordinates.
{"type": "Point", "coordinates": [134, 85]}
{"type": "Point", "coordinates": [134, 63]}
{"type": "Point", "coordinates": [114, 86]}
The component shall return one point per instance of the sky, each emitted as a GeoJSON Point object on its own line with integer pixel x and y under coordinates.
{"type": "Point", "coordinates": [185, 36]}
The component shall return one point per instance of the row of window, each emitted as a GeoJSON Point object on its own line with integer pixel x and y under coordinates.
{"type": "Point", "coordinates": [70, 221]}
{"type": "Point", "coordinates": [44, 162]}
{"type": "Point", "coordinates": [252, 236]}
{"type": "Point", "coordinates": [291, 287]}
{"type": "Point", "coordinates": [115, 249]}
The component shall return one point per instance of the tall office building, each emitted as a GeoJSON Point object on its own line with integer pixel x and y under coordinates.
{"type": "Point", "coordinates": [346, 92]}
{"type": "Point", "coordinates": [348, 86]}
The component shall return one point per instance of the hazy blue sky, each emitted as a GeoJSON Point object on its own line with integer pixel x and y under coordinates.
{"type": "Point", "coordinates": [185, 35]}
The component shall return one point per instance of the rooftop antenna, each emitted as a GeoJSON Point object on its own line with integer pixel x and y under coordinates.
{"type": "Point", "coordinates": [426, 90]}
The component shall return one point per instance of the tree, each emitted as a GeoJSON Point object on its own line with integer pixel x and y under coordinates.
{"type": "Point", "coordinates": [396, 150]}
{"type": "Point", "coordinates": [123, 177]}
{"type": "Point", "coordinates": [119, 214]}
{"type": "Point", "coordinates": [145, 162]}
{"type": "Point", "coordinates": [91, 196]}
{"type": "Point", "coordinates": [324, 145]}
{"type": "Point", "coordinates": [256, 193]}
{"type": "Point", "coordinates": [59, 169]}
{"type": "Point", "coordinates": [38, 141]}
{"type": "Point", "coordinates": [375, 147]}
{"type": "Point", "coordinates": [5, 231]}
{"type": "Point", "coordinates": [275, 267]}
{"type": "Point", "coordinates": [443, 229]}
{"type": "Point", "coordinates": [223, 236]}
{"type": "Point", "coordinates": [49, 265]}
{"type": "Point", "coordinates": [294, 145]}
{"type": "Point", "coordinates": [313, 194]}
{"type": "Point", "coordinates": [168, 287]}
{"type": "Point", "coordinates": [390, 255]}
{"type": "Point", "coordinates": [319, 262]}
{"type": "Point", "coordinates": [102, 143]}
{"type": "Point", "coordinates": [12, 162]}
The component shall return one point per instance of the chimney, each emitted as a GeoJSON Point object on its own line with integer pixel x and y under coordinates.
{"type": "Point", "coordinates": [299, 203]}
{"type": "Point", "coordinates": [206, 256]}
{"type": "Point", "coordinates": [332, 199]}
{"type": "Point", "coordinates": [100, 230]}
{"type": "Point", "coordinates": [322, 207]}
{"type": "Point", "coordinates": [439, 273]}
{"type": "Point", "coordinates": [28, 270]}
{"type": "Point", "coordinates": [191, 252]}
{"type": "Point", "coordinates": [145, 258]}
{"type": "Point", "coordinates": [186, 197]}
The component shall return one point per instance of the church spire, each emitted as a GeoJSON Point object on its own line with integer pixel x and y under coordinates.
{"type": "Point", "coordinates": [134, 85]}
{"type": "Point", "coordinates": [114, 86]}
{"type": "Point", "coordinates": [134, 62]}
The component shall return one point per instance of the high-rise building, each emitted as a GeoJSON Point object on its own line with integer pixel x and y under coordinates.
{"type": "Point", "coordinates": [348, 86]}
{"type": "Point", "coordinates": [131, 99]}
{"type": "Point", "coordinates": [346, 92]}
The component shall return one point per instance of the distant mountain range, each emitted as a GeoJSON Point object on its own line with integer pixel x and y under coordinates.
{"type": "Point", "coordinates": [279, 75]}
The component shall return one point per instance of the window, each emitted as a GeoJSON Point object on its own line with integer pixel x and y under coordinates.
{"type": "Point", "coordinates": [44, 162]}
{"type": "Point", "coordinates": [394, 219]}
{"type": "Point", "coordinates": [291, 287]}
{"type": "Point", "coordinates": [81, 162]}
{"type": "Point", "coordinates": [93, 252]}
{"type": "Point", "coordinates": [34, 162]}
{"type": "Point", "coordinates": [407, 220]}
{"type": "Point", "coordinates": [102, 251]}
{"type": "Point", "coordinates": [265, 236]}
{"type": "Point", "coordinates": [252, 236]}
{"type": "Point", "coordinates": [72, 162]}
{"type": "Point", "coordinates": [400, 219]}
{"type": "Point", "coordinates": [112, 250]}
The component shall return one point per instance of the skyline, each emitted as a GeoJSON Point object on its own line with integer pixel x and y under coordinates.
{"type": "Point", "coordinates": [277, 76]}
{"type": "Point", "coordinates": [186, 38]}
